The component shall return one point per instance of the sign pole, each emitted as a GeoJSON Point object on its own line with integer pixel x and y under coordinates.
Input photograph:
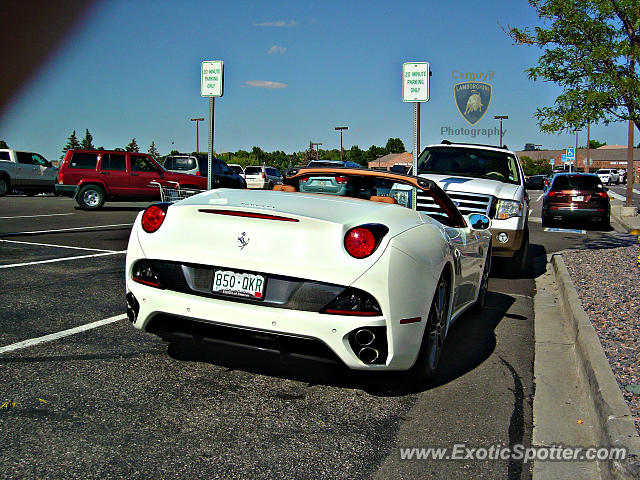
{"type": "Point", "coordinates": [210, 150]}
{"type": "Point", "coordinates": [416, 141]}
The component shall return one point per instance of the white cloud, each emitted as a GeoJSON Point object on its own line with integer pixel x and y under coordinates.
{"type": "Point", "coordinates": [265, 84]}
{"type": "Point", "coordinates": [276, 49]}
{"type": "Point", "coordinates": [279, 23]}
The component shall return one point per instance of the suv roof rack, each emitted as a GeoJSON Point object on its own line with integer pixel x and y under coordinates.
{"type": "Point", "coordinates": [449, 142]}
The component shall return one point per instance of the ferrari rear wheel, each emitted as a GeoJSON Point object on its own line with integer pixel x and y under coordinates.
{"type": "Point", "coordinates": [434, 335]}
{"type": "Point", "coordinates": [484, 284]}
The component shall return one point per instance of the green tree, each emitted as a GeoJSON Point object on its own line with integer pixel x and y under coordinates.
{"type": "Point", "coordinates": [593, 144]}
{"type": "Point", "coordinates": [3, 144]}
{"type": "Point", "coordinates": [591, 51]}
{"type": "Point", "coordinates": [395, 145]}
{"type": "Point", "coordinates": [374, 152]}
{"type": "Point", "coordinates": [72, 144]}
{"type": "Point", "coordinates": [153, 151]}
{"type": "Point", "coordinates": [535, 167]}
{"type": "Point", "coordinates": [87, 141]}
{"type": "Point", "coordinates": [133, 146]}
{"type": "Point", "coordinates": [356, 154]}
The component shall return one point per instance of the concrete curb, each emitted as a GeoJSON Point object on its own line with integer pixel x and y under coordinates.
{"type": "Point", "coordinates": [614, 424]}
{"type": "Point", "coordinates": [619, 211]}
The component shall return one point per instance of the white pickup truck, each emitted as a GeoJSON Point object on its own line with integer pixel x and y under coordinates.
{"type": "Point", "coordinates": [482, 179]}
{"type": "Point", "coordinates": [28, 172]}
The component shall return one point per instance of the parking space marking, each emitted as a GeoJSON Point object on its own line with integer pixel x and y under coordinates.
{"type": "Point", "coordinates": [58, 246]}
{"type": "Point", "coordinates": [539, 198]}
{"type": "Point", "coordinates": [616, 196]}
{"type": "Point", "coordinates": [566, 230]}
{"type": "Point", "coordinates": [54, 260]}
{"type": "Point", "coordinates": [68, 229]}
{"type": "Point", "coordinates": [61, 334]}
{"type": "Point", "coordinates": [43, 215]}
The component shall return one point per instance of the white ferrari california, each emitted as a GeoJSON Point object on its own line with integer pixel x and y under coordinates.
{"type": "Point", "coordinates": [358, 279]}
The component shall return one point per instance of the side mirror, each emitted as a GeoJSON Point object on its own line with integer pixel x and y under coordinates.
{"type": "Point", "coordinates": [478, 221]}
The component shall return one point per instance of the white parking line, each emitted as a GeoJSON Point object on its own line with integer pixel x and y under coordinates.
{"type": "Point", "coordinates": [539, 198]}
{"type": "Point", "coordinates": [68, 229]}
{"type": "Point", "coordinates": [616, 196]}
{"type": "Point", "coordinates": [43, 215]}
{"type": "Point", "coordinates": [58, 246]}
{"type": "Point", "coordinates": [63, 333]}
{"type": "Point", "coordinates": [54, 260]}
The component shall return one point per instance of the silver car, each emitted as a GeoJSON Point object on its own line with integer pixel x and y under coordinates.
{"type": "Point", "coordinates": [262, 177]}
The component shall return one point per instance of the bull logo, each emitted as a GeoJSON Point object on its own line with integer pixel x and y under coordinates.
{"type": "Point", "coordinates": [472, 100]}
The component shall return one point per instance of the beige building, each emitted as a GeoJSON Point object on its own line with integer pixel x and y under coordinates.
{"type": "Point", "coordinates": [388, 161]}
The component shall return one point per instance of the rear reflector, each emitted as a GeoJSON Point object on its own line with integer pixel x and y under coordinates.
{"type": "Point", "coordinates": [410, 320]}
{"type": "Point", "coordinates": [233, 213]}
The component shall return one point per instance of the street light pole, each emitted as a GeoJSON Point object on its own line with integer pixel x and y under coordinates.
{"type": "Point", "coordinates": [197, 133]}
{"type": "Point", "coordinates": [341, 129]}
{"type": "Point", "coordinates": [501, 117]}
{"type": "Point", "coordinates": [317, 145]}
{"type": "Point", "coordinates": [575, 155]}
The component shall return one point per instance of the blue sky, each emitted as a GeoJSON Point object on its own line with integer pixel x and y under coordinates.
{"type": "Point", "coordinates": [293, 71]}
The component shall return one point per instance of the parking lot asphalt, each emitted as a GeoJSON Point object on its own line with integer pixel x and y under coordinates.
{"type": "Point", "coordinates": [111, 401]}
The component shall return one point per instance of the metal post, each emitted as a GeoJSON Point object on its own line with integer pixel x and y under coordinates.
{"type": "Point", "coordinates": [586, 168]}
{"type": "Point", "coordinates": [197, 133]}
{"type": "Point", "coordinates": [210, 156]}
{"type": "Point", "coordinates": [500, 117]}
{"type": "Point", "coordinates": [416, 141]}
{"type": "Point", "coordinates": [341, 129]}
{"type": "Point", "coordinates": [631, 168]}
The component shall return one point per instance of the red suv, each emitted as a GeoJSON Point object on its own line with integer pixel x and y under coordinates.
{"type": "Point", "coordinates": [93, 176]}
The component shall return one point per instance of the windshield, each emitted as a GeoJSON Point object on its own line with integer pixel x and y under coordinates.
{"type": "Point", "coordinates": [577, 182]}
{"type": "Point", "coordinates": [470, 162]}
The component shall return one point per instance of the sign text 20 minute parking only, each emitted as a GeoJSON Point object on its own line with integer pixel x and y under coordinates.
{"type": "Point", "coordinates": [415, 82]}
{"type": "Point", "coordinates": [212, 78]}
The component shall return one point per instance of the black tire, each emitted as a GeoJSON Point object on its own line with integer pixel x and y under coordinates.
{"type": "Point", "coordinates": [91, 197]}
{"type": "Point", "coordinates": [484, 285]}
{"type": "Point", "coordinates": [270, 187]}
{"type": "Point", "coordinates": [434, 336]}
{"type": "Point", "coordinates": [520, 261]}
{"type": "Point", "coordinates": [5, 187]}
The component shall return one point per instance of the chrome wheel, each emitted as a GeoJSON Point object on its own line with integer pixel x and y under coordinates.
{"type": "Point", "coordinates": [438, 317]}
{"type": "Point", "coordinates": [91, 198]}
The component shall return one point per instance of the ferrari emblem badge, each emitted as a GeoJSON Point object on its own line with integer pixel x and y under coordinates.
{"type": "Point", "coordinates": [242, 242]}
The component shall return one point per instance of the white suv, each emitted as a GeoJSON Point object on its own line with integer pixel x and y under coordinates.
{"type": "Point", "coordinates": [608, 175]}
{"type": "Point", "coordinates": [482, 179]}
{"type": "Point", "coordinates": [262, 177]}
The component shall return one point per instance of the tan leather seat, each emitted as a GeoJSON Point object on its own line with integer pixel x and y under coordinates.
{"type": "Point", "coordinates": [376, 198]}
{"type": "Point", "coordinates": [284, 188]}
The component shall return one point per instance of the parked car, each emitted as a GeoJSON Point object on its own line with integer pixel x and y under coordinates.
{"type": "Point", "coordinates": [608, 176]}
{"type": "Point", "coordinates": [262, 177]}
{"type": "Point", "coordinates": [333, 185]}
{"type": "Point", "coordinates": [482, 179]}
{"type": "Point", "coordinates": [28, 172]}
{"type": "Point", "coordinates": [237, 169]}
{"type": "Point", "coordinates": [576, 197]}
{"type": "Point", "coordinates": [535, 182]}
{"type": "Point", "coordinates": [223, 175]}
{"type": "Point", "coordinates": [623, 175]}
{"type": "Point", "coordinates": [366, 283]}
{"type": "Point", "coordinates": [95, 176]}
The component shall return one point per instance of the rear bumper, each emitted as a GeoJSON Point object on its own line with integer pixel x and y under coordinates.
{"type": "Point", "coordinates": [585, 214]}
{"type": "Point", "coordinates": [66, 190]}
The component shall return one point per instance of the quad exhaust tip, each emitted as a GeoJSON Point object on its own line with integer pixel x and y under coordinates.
{"type": "Point", "coordinates": [368, 354]}
{"type": "Point", "coordinates": [364, 337]}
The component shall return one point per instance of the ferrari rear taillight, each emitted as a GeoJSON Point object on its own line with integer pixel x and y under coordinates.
{"type": "Point", "coordinates": [152, 218]}
{"type": "Point", "coordinates": [342, 180]}
{"type": "Point", "coordinates": [353, 302]}
{"type": "Point", "coordinates": [360, 242]}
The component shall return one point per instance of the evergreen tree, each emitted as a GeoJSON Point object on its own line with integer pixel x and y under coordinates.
{"type": "Point", "coordinates": [395, 145]}
{"type": "Point", "coordinates": [72, 144]}
{"type": "Point", "coordinates": [356, 154]}
{"type": "Point", "coordinates": [153, 151]}
{"type": "Point", "coordinates": [3, 144]}
{"type": "Point", "coordinates": [87, 141]}
{"type": "Point", "coordinates": [133, 146]}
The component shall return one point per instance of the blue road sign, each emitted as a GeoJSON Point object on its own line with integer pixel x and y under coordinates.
{"type": "Point", "coordinates": [571, 153]}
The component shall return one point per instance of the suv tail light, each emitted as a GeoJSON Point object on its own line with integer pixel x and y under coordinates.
{"type": "Point", "coordinates": [60, 174]}
{"type": "Point", "coordinates": [153, 217]}
{"type": "Point", "coordinates": [263, 175]}
{"type": "Point", "coordinates": [341, 179]}
{"type": "Point", "coordinates": [198, 173]}
{"type": "Point", "coordinates": [304, 179]}
{"type": "Point", "coordinates": [362, 241]}
{"type": "Point", "coordinates": [602, 194]}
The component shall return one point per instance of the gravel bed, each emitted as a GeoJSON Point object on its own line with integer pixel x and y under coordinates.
{"type": "Point", "coordinates": [608, 284]}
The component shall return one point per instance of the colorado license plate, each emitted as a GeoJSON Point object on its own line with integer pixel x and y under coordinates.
{"type": "Point", "coordinates": [578, 198]}
{"type": "Point", "coordinates": [239, 284]}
